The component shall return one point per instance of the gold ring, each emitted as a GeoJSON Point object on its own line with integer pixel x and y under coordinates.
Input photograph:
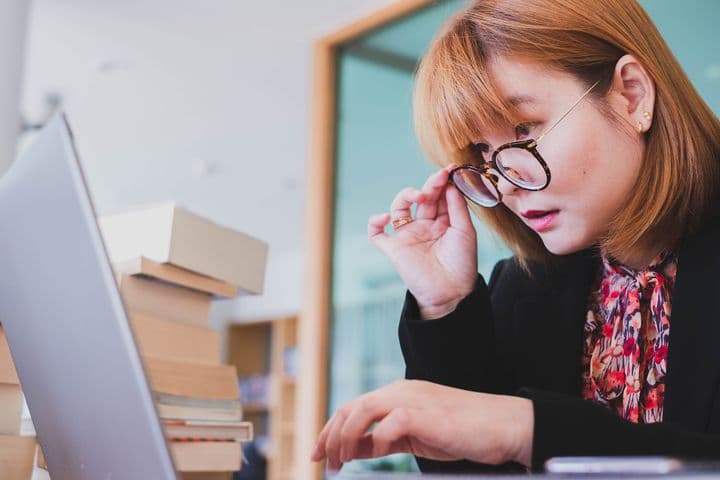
{"type": "Point", "coordinates": [399, 222]}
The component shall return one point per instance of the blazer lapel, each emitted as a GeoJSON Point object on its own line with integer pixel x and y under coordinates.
{"type": "Point", "coordinates": [551, 344]}
{"type": "Point", "coordinates": [692, 362]}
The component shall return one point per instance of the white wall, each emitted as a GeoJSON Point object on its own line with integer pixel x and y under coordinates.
{"type": "Point", "coordinates": [13, 21]}
{"type": "Point", "coordinates": [203, 102]}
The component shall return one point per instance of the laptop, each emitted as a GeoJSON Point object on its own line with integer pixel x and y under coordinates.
{"type": "Point", "coordinates": [68, 331]}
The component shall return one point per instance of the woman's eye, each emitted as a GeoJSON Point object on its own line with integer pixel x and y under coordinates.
{"type": "Point", "coordinates": [480, 147]}
{"type": "Point", "coordinates": [523, 129]}
{"type": "Point", "coordinates": [479, 150]}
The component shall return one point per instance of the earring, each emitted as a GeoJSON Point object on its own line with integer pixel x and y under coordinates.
{"type": "Point", "coordinates": [647, 116]}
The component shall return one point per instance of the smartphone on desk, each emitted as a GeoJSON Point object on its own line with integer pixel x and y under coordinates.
{"type": "Point", "coordinates": [629, 465]}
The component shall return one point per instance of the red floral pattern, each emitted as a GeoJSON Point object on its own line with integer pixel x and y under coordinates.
{"type": "Point", "coordinates": [627, 332]}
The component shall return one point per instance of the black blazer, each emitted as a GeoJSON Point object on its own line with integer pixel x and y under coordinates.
{"type": "Point", "coordinates": [523, 335]}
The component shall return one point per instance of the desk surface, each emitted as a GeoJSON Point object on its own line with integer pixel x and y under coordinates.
{"type": "Point", "coordinates": [420, 476]}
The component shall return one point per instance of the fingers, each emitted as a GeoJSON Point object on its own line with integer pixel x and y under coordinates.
{"type": "Point", "coordinates": [344, 437]}
{"type": "Point", "coordinates": [376, 229]}
{"type": "Point", "coordinates": [366, 447]}
{"type": "Point", "coordinates": [400, 206]}
{"type": "Point", "coordinates": [390, 435]}
{"type": "Point", "coordinates": [431, 203]}
{"type": "Point", "coordinates": [433, 189]}
{"type": "Point", "coordinates": [347, 438]}
{"type": "Point", "coordinates": [376, 224]}
{"type": "Point", "coordinates": [319, 452]}
{"type": "Point", "coordinates": [457, 209]}
{"type": "Point", "coordinates": [321, 447]}
{"type": "Point", "coordinates": [333, 444]}
{"type": "Point", "coordinates": [365, 413]}
{"type": "Point", "coordinates": [350, 424]}
{"type": "Point", "coordinates": [442, 207]}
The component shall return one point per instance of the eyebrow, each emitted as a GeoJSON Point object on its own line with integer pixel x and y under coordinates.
{"type": "Point", "coordinates": [516, 100]}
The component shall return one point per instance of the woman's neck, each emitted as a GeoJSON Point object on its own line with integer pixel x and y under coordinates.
{"type": "Point", "coordinates": [641, 261]}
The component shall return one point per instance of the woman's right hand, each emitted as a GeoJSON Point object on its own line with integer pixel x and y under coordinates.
{"type": "Point", "coordinates": [436, 253]}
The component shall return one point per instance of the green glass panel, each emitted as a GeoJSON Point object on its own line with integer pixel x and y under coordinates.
{"type": "Point", "coordinates": [690, 29]}
{"type": "Point", "coordinates": [377, 155]}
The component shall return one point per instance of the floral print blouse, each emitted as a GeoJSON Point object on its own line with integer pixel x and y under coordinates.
{"type": "Point", "coordinates": [626, 333]}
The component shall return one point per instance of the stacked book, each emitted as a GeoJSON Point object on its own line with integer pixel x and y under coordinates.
{"type": "Point", "coordinates": [170, 265]}
{"type": "Point", "coordinates": [18, 447]}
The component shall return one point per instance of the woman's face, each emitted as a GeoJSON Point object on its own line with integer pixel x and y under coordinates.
{"type": "Point", "coordinates": [593, 160]}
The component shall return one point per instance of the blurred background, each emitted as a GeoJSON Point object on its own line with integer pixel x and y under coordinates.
{"type": "Point", "coordinates": [209, 104]}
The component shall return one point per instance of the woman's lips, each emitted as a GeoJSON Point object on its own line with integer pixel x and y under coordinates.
{"type": "Point", "coordinates": [539, 220]}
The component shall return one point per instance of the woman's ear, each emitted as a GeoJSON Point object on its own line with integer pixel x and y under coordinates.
{"type": "Point", "coordinates": [637, 92]}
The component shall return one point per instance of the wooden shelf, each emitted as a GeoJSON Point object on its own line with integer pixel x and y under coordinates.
{"type": "Point", "coordinates": [260, 348]}
{"type": "Point", "coordinates": [255, 408]}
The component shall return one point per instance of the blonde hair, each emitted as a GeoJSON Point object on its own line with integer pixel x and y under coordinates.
{"type": "Point", "coordinates": [455, 99]}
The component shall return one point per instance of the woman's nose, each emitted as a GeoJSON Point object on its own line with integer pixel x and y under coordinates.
{"type": "Point", "coordinates": [505, 187]}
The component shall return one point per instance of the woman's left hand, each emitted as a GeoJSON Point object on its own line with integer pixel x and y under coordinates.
{"type": "Point", "coordinates": [431, 421]}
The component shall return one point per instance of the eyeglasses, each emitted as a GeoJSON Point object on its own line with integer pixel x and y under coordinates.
{"type": "Point", "coordinates": [518, 162]}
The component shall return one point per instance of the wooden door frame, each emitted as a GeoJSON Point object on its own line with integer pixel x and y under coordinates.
{"type": "Point", "coordinates": [314, 325]}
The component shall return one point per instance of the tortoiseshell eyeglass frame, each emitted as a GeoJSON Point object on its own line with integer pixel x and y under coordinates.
{"type": "Point", "coordinates": [491, 171]}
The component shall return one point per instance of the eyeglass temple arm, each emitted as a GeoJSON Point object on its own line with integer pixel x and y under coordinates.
{"type": "Point", "coordinates": [566, 113]}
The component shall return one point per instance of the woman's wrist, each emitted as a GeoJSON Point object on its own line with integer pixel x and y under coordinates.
{"type": "Point", "coordinates": [432, 312]}
{"type": "Point", "coordinates": [521, 427]}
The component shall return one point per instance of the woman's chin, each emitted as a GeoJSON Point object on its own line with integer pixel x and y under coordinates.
{"type": "Point", "coordinates": [560, 243]}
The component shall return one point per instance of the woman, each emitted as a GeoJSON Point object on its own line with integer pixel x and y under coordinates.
{"type": "Point", "coordinates": [573, 133]}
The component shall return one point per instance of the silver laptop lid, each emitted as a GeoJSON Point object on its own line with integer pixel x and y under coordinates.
{"type": "Point", "coordinates": [65, 322]}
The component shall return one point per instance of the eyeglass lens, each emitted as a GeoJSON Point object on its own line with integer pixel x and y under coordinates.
{"type": "Point", "coordinates": [517, 165]}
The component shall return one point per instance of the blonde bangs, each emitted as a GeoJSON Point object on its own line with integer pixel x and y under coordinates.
{"type": "Point", "coordinates": [456, 101]}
